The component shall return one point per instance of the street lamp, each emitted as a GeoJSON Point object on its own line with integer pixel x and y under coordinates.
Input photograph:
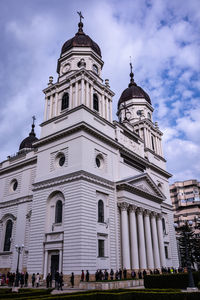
{"type": "Point", "coordinates": [19, 250]}
{"type": "Point", "coordinates": [188, 261]}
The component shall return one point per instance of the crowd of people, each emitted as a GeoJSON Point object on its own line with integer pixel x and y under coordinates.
{"type": "Point", "coordinates": [22, 279]}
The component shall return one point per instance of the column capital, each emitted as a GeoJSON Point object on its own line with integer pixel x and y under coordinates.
{"type": "Point", "coordinates": [147, 212]}
{"type": "Point", "coordinates": [153, 214]}
{"type": "Point", "coordinates": [123, 205]}
{"type": "Point", "coordinates": [140, 210]}
{"type": "Point", "coordinates": [132, 208]}
{"type": "Point", "coordinates": [159, 216]}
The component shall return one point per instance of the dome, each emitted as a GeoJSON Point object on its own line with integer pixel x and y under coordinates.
{"type": "Point", "coordinates": [80, 40]}
{"type": "Point", "coordinates": [28, 142]}
{"type": "Point", "coordinates": [133, 91]}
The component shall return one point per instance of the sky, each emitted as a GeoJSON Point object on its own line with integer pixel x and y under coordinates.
{"type": "Point", "coordinates": [162, 38]}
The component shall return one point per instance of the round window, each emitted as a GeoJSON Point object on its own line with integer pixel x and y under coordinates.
{"type": "Point", "coordinates": [61, 160]}
{"type": "Point", "coordinates": [99, 161]}
{"type": "Point", "coordinates": [14, 185]}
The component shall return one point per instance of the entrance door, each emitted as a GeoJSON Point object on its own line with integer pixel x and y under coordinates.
{"type": "Point", "coordinates": [54, 264]}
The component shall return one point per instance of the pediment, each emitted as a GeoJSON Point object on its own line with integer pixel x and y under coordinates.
{"type": "Point", "coordinates": [142, 184]}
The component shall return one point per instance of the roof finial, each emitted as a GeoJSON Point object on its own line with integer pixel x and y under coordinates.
{"type": "Point", "coordinates": [131, 74]}
{"type": "Point", "coordinates": [33, 126]}
{"type": "Point", "coordinates": [80, 24]}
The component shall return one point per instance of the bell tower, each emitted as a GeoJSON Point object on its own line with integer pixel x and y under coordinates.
{"type": "Point", "coordinates": [135, 111]}
{"type": "Point", "coordinates": [79, 80]}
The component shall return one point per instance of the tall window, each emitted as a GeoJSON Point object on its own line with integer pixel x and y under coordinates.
{"type": "Point", "coordinates": [8, 234]}
{"type": "Point", "coordinates": [65, 101]}
{"type": "Point", "coordinates": [166, 252]}
{"type": "Point", "coordinates": [58, 213]}
{"type": "Point", "coordinates": [95, 102]}
{"type": "Point", "coordinates": [163, 225]}
{"type": "Point", "coordinates": [100, 211]}
{"type": "Point", "coordinates": [101, 248]}
{"type": "Point", "coordinates": [153, 145]}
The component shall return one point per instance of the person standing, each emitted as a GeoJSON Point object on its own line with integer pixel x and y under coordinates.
{"type": "Point", "coordinates": [57, 280]}
{"type": "Point", "coordinates": [82, 275]}
{"type": "Point", "coordinates": [47, 280]}
{"type": "Point", "coordinates": [72, 279]}
{"type": "Point", "coordinates": [87, 276]}
{"type": "Point", "coordinates": [61, 281]}
{"type": "Point", "coordinates": [37, 280]}
{"type": "Point", "coordinates": [111, 274]}
{"type": "Point", "coordinates": [26, 279]}
{"type": "Point", "coordinates": [33, 280]}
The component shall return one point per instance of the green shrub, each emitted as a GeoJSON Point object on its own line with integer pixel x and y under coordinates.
{"type": "Point", "coordinates": [179, 280]}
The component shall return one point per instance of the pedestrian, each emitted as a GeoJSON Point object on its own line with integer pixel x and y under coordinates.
{"type": "Point", "coordinates": [120, 274]}
{"type": "Point", "coordinates": [133, 274]}
{"type": "Point", "coordinates": [61, 281]}
{"type": "Point", "coordinates": [22, 280]}
{"type": "Point", "coordinates": [72, 279]}
{"type": "Point", "coordinates": [33, 280]}
{"type": "Point", "coordinates": [82, 275]}
{"type": "Point", "coordinates": [116, 275]}
{"type": "Point", "coordinates": [37, 279]}
{"type": "Point", "coordinates": [144, 273]}
{"type": "Point", "coordinates": [47, 280]}
{"type": "Point", "coordinates": [57, 280]}
{"type": "Point", "coordinates": [50, 280]}
{"type": "Point", "coordinates": [111, 274]}
{"type": "Point", "coordinates": [26, 279]}
{"type": "Point", "coordinates": [125, 273]}
{"type": "Point", "coordinates": [87, 276]}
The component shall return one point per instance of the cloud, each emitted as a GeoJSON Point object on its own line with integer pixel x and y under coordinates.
{"type": "Point", "coordinates": [162, 37]}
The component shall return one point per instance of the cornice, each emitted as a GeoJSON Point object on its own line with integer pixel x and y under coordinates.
{"type": "Point", "coordinates": [19, 164]}
{"type": "Point", "coordinates": [79, 175]}
{"type": "Point", "coordinates": [16, 201]}
{"type": "Point", "coordinates": [133, 189]}
{"type": "Point", "coordinates": [146, 149]}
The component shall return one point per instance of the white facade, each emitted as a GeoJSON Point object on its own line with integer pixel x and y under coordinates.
{"type": "Point", "coordinates": [87, 161]}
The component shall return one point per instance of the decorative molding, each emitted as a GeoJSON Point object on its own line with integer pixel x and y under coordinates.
{"type": "Point", "coordinates": [16, 201]}
{"type": "Point", "coordinates": [132, 208]}
{"type": "Point", "coordinates": [79, 175]}
{"type": "Point", "coordinates": [19, 165]}
{"type": "Point", "coordinates": [8, 216]}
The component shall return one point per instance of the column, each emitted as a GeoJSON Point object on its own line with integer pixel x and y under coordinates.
{"type": "Point", "coordinates": [155, 241]}
{"type": "Point", "coordinates": [133, 238]}
{"type": "Point", "coordinates": [56, 104]}
{"type": "Point", "coordinates": [125, 236]}
{"type": "Point", "coordinates": [106, 108]}
{"type": "Point", "coordinates": [70, 96]}
{"type": "Point", "coordinates": [91, 97]}
{"type": "Point", "coordinates": [60, 260]}
{"type": "Point", "coordinates": [45, 109]}
{"type": "Point", "coordinates": [82, 91]}
{"type": "Point", "coordinates": [149, 248]}
{"type": "Point", "coordinates": [110, 110]}
{"type": "Point", "coordinates": [51, 107]}
{"type": "Point", "coordinates": [87, 94]}
{"type": "Point", "coordinates": [142, 250]}
{"type": "Point", "coordinates": [45, 264]}
{"type": "Point", "coordinates": [76, 94]}
{"type": "Point", "coordinates": [160, 240]}
{"type": "Point", "coordinates": [103, 106]}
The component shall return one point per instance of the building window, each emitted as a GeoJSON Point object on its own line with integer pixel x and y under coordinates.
{"type": "Point", "coordinates": [153, 145]}
{"type": "Point", "coordinates": [100, 211]}
{"type": "Point", "coordinates": [101, 248]}
{"type": "Point", "coordinates": [8, 234]}
{"type": "Point", "coordinates": [58, 212]}
{"type": "Point", "coordinates": [65, 101]}
{"type": "Point", "coordinates": [95, 102]}
{"type": "Point", "coordinates": [149, 116]}
{"type": "Point", "coordinates": [166, 252]}
{"type": "Point", "coordinates": [95, 69]}
{"type": "Point", "coordinates": [163, 225]}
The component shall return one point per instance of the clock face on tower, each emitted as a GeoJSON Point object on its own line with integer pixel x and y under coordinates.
{"type": "Point", "coordinates": [66, 67]}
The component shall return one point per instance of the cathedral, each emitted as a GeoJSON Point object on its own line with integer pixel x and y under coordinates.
{"type": "Point", "coordinates": [90, 193]}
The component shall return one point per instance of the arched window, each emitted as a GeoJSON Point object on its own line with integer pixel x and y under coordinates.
{"type": "Point", "coordinates": [65, 101]}
{"type": "Point", "coordinates": [8, 234]}
{"type": "Point", "coordinates": [95, 102]}
{"type": "Point", "coordinates": [58, 212]}
{"type": "Point", "coordinates": [100, 211]}
{"type": "Point", "coordinates": [149, 116]}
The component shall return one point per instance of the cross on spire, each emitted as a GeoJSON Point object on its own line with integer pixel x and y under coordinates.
{"type": "Point", "coordinates": [34, 118]}
{"type": "Point", "coordinates": [80, 15]}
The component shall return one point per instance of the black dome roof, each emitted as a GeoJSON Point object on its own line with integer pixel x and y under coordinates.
{"type": "Point", "coordinates": [28, 142]}
{"type": "Point", "coordinates": [80, 40]}
{"type": "Point", "coordinates": [133, 91]}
